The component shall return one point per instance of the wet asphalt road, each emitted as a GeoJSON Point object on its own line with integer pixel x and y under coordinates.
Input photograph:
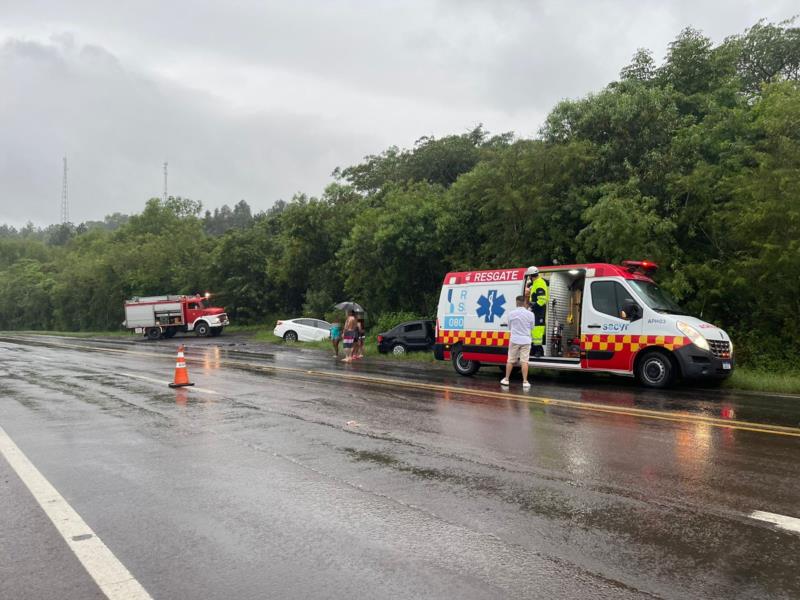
{"type": "Point", "coordinates": [286, 474]}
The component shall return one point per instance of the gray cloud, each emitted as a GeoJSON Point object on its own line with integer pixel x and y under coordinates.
{"type": "Point", "coordinates": [258, 100]}
{"type": "Point", "coordinates": [117, 126]}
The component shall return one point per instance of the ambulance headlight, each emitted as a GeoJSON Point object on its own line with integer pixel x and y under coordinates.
{"type": "Point", "coordinates": [696, 338]}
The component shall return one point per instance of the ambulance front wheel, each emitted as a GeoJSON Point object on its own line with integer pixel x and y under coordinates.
{"type": "Point", "coordinates": [462, 365]}
{"type": "Point", "coordinates": [655, 370]}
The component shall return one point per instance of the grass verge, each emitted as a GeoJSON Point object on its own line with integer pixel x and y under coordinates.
{"type": "Point", "coordinates": [260, 329]}
{"type": "Point", "coordinates": [370, 347]}
{"type": "Point", "coordinates": [757, 380]}
{"type": "Point", "coordinates": [81, 334]}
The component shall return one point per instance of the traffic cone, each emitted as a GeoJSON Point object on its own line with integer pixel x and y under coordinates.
{"type": "Point", "coordinates": [181, 372]}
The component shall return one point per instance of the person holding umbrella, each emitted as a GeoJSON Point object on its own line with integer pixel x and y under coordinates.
{"type": "Point", "coordinates": [352, 328]}
{"type": "Point", "coordinates": [349, 306]}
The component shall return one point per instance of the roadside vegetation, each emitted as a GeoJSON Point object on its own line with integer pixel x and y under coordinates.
{"type": "Point", "coordinates": [370, 348]}
{"type": "Point", "coordinates": [80, 334]}
{"type": "Point", "coordinates": [692, 161]}
{"type": "Point", "coordinates": [745, 378]}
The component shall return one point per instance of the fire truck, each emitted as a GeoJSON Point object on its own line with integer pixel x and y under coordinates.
{"type": "Point", "coordinates": [164, 316]}
{"type": "Point", "coordinates": [600, 317]}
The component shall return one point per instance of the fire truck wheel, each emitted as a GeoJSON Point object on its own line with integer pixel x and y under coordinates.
{"type": "Point", "coordinates": [655, 370]}
{"type": "Point", "coordinates": [153, 333]}
{"type": "Point", "coordinates": [202, 329]}
{"type": "Point", "coordinates": [462, 365]}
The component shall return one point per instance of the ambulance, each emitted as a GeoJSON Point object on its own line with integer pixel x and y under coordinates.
{"type": "Point", "coordinates": [599, 318]}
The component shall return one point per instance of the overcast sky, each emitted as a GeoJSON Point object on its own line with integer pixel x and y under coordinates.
{"type": "Point", "coordinates": [257, 100]}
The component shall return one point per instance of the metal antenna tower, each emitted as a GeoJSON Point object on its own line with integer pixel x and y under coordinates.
{"type": "Point", "coordinates": [64, 201]}
{"type": "Point", "coordinates": [165, 181]}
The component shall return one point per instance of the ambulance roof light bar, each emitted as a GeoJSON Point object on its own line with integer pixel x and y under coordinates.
{"type": "Point", "coordinates": [642, 266]}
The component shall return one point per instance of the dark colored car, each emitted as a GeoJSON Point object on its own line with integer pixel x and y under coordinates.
{"type": "Point", "coordinates": [411, 335]}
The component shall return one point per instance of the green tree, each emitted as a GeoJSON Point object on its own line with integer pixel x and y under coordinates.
{"type": "Point", "coordinates": [767, 53]}
{"type": "Point", "coordinates": [642, 67]}
{"type": "Point", "coordinates": [438, 161]}
{"type": "Point", "coordinates": [26, 297]}
{"type": "Point", "coordinates": [522, 206]}
{"type": "Point", "coordinates": [623, 224]}
{"type": "Point", "coordinates": [392, 257]}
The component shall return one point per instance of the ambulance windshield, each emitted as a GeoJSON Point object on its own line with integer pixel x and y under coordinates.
{"type": "Point", "coordinates": [656, 298]}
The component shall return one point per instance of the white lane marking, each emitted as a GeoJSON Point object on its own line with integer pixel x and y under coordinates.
{"type": "Point", "coordinates": [161, 382]}
{"type": "Point", "coordinates": [782, 521]}
{"type": "Point", "coordinates": [111, 576]}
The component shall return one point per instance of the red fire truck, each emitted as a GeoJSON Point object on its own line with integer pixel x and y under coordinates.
{"type": "Point", "coordinates": [164, 316]}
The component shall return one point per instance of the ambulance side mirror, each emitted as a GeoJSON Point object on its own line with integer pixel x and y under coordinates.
{"type": "Point", "coordinates": [630, 310]}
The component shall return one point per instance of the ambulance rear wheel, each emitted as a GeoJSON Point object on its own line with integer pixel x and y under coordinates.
{"type": "Point", "coordinates": [462, 365]}
{"type": "Point", "coordinates": [655, 370]}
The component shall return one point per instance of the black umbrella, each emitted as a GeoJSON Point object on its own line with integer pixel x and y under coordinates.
{"type": "Point", "coordinates": [348, 306]}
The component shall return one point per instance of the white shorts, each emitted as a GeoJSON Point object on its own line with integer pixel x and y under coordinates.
{"type": "Point", "coordinates": [518, 353]}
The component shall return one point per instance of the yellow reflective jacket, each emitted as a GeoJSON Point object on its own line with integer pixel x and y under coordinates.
{"type": "Point", "coordinates": [539, 292]}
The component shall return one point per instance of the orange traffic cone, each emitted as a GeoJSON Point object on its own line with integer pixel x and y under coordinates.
{"type": "Point", "coordinates": [181, 372]}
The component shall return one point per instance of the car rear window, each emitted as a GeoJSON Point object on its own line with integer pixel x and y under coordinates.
{"type": "Point", "coordinates": [413, 327]}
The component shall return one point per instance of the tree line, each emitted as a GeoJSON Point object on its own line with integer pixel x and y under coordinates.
{"type": "Point", "coordinates": [693, 163]}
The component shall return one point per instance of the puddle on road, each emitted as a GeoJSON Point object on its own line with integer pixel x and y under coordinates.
{"type": "Point", "coordinates": [390, 461]}
{"type": "Point", "coordinates": [211, 359]}
{"type": "Point", "coordinates": [600, 517]}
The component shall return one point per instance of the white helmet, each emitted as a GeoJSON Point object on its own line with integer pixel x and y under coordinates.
{"type": "Point", "coordinates": [532, 271]}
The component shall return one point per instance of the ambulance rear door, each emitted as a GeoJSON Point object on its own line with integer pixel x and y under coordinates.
{"type": "Point", "coordinates": [474, 309]}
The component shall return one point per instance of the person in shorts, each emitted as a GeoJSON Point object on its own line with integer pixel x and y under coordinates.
{"type": "Point", "coordinates": [350, 333]}
{"type": "Point", "coordinates": [520, 323]}
{"type": "Point", "coordinates": [361, 337]}
{"type": "Point", "coordinates": [336, 336]}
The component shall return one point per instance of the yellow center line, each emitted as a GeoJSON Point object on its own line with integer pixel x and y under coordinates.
{"type": "Point", "coordinates": [573, 404]}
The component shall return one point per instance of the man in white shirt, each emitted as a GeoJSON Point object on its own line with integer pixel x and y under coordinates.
{"type": "Point", "coordinates": [520, 322]}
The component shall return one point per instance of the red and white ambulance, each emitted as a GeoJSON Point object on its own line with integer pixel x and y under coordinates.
{"type": "Point", "coordinates": [600, 317]}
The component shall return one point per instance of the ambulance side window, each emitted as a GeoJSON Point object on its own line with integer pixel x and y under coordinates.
{"type": "Point", "coordinates": [607, 297]}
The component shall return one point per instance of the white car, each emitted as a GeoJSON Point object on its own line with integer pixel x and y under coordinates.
{"type": "Point", "coordinates": [303, 330]}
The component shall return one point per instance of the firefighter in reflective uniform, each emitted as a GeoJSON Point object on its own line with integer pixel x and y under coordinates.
{"type": "Point", "coordinates": [538, 295]}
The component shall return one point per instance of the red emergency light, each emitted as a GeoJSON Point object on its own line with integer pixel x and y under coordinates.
{"type": "Point", "coordinates": [642, 266]}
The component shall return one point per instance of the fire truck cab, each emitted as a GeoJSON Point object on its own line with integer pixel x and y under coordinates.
{"type": "Point", "coordinates": [600, 317]}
